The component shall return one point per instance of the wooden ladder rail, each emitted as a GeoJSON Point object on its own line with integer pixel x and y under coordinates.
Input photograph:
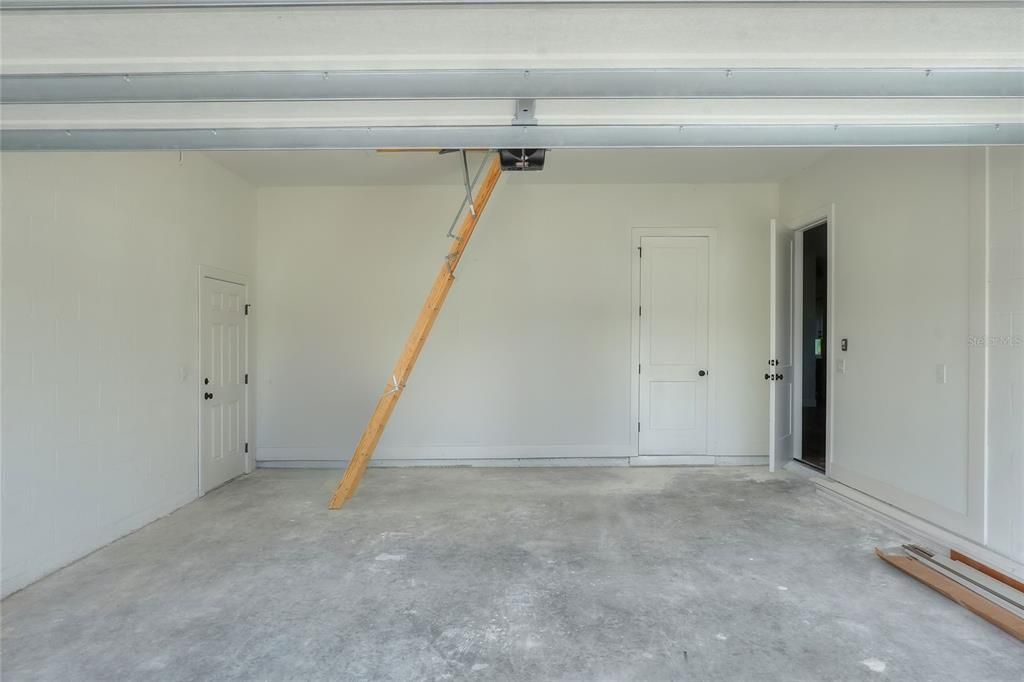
{"type": "Point", "coordinates": [417, 338]}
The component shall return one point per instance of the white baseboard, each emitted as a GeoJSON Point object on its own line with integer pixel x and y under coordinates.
{"type": "Point", "coordinates": [302, 464]}
{"type": "Point", "coordinates": [500, 455]}
{"type": "Point", "coordinates": [698, 460]}
{"type": "Point", "coordinates": [672, 460]}
{"type": "Point", "coordinates": [450, 463]}
{"type": "Point", "coordinates": [741, 460]}
{"type": "Point", "coordinates": [503, 462]}
{"type": "Point", "coordinates": [645, 461]}
{"type": "Point", "coordinates": [915, 528]}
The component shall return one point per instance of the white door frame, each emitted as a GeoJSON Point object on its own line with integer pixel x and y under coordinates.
{"type": "Point", "coordinates": [825, 215]}
{"type": "Point", "coordinates": [637, 234]}
{"type": "Point", "coordinates": [211, 272]}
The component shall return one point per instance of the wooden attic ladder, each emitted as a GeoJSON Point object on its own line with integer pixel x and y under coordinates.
{"type": "Point", "coordinates": [417, 338]}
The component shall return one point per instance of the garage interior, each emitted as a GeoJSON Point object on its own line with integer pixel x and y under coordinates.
{"type": "Point", "coordinates": [604, 465]}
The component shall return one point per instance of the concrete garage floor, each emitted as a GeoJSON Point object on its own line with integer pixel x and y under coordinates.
{"type": "Point", "coordinates": [500, 574]}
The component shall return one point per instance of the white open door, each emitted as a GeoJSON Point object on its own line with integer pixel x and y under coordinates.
{"type": "Point", "coordinates": [780, 363]}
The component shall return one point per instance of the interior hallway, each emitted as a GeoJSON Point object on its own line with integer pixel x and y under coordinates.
{"type": "Point", "coordinates": [590, 574]}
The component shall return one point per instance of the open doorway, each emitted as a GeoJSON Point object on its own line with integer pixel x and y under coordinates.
{"type": "Point", "coordinates": [812, 329]}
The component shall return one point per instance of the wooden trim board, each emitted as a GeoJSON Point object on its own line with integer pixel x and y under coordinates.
{"type": "Point", "coordinates": [417, 338]}
{"type": "Point", "coordinates": [990, 572]}
{"type": "Point", "coordinates": [974, 603]}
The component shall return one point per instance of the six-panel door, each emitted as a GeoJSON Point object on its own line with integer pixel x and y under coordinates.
{"type": "Point", "coordinates": [222, 337]}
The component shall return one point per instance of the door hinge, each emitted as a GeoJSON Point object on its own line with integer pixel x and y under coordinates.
{"type": "Point", "coordinates": [638, 427]}
{"type": "Point", "coordinates": [640, 311]}
{"type": "Point", "coordinates": [246, 377]}
{"type": "Point", "coordinates": [247, 447]}
{"type": "Point", "coordinates": [638, 369]}
{"type": "Point", "coordinates": [641, 250]}
{"type": "Point", "coordinates": [247, 305]}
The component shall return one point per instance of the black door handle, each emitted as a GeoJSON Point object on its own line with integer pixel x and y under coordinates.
{"type": "Point", "coordinates": [767, 377]}
{"type": "Point", "coordinates": [701, 373]}
{"type": "Point", "coordinates": [207, 396]}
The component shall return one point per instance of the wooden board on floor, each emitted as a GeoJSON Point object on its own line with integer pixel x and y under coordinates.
{"type": "Point", "coordinates": [990, 572]}
{"type": "Point", "coordinates": [971, 601]}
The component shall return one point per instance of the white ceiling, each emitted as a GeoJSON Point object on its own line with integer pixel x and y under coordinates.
{"type": "Point", "coordinates": [582, 166]}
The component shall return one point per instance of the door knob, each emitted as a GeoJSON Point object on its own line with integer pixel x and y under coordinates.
{"type": "Point", "coordinates": [701, 373]}
{"type": "Point", "coordinates": [207, 396]}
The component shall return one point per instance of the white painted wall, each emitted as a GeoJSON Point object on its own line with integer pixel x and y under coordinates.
{"type": "Point", "coordinates": [1006, 352]}
{"type": "Point", "coordinates": [531, 355]}
{"type": "Point", "coordinates": [100, 270]}
{"type": "Point", "coordinates": [912, 247]}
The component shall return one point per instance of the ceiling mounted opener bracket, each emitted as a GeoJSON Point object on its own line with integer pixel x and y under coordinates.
{"type": "Point", "coordinates": [526, 113]}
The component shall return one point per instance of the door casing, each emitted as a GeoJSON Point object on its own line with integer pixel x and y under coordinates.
{"type": "Point", "coordinates": [823, 215]}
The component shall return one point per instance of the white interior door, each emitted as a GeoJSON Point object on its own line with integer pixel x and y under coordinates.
{"type": "Point", "coordinates": [780, 363]}
{"type": "Point", "coordinates": [673, 345]}
{"type": "Point", "coordinates": [222, 335]}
